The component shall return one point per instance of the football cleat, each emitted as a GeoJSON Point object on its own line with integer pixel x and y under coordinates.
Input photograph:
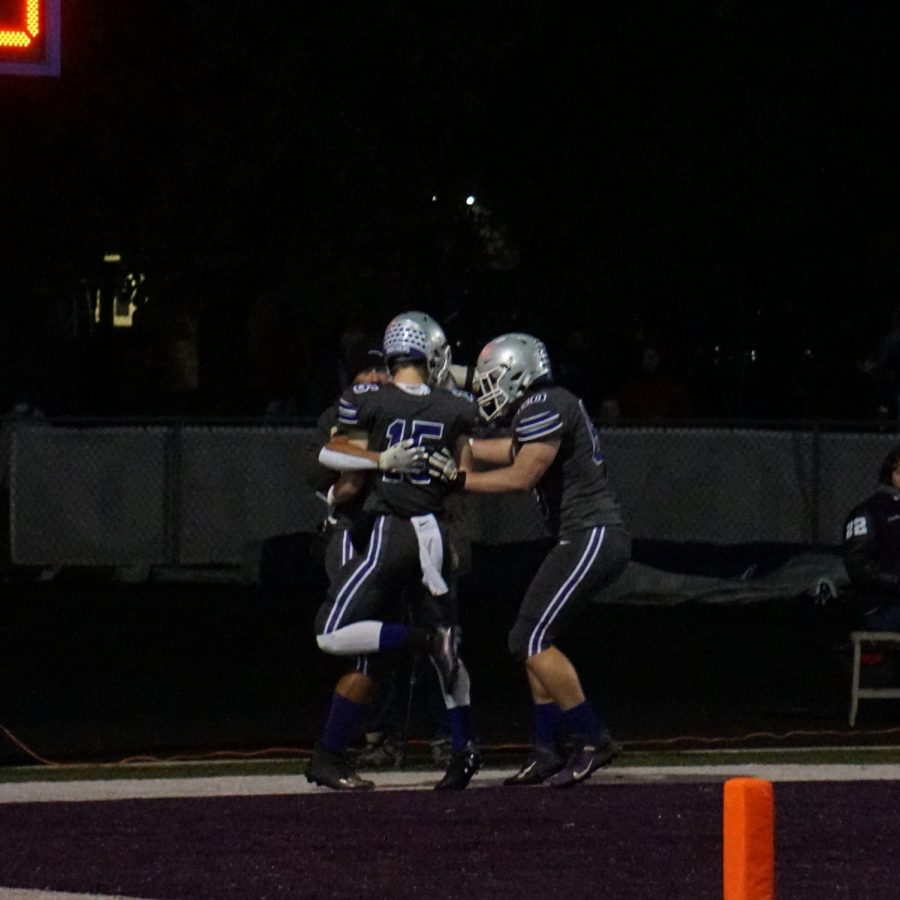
{"type": "Point", "coordinates": [386, 753]}
{"type": "Point", "coordinates": [440, 752]}
{"type": "Point", "coordinates": [463, 765]}
{"type": "Point", "coordinates": [332, 770]}
{"type": "Point", "coordinates": [541, 763]}
{"type": "Point", "coordinates": [442, 650]}
{"type": "Point", "coordinates": [584, 761]}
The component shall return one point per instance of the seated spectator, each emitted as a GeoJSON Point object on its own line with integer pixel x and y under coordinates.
{"type": "Point", "coordinates": [872, 549]}
{"type": "Point", "coordinates": [333, 372]}
{"type": "Point", "coordinates": [656, 394]}
{"type": "Point", "coordinates": [884, 368]}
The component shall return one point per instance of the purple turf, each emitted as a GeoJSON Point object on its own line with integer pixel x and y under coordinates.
{"type": "Point", "coordinates": [619, 841]}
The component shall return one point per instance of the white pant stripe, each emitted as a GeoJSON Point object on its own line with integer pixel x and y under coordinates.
{"type": "Point", "coordinates": [346, 547]}
{"type": "Point", "coordinates": [348, 591]}
{"type": "Point", "coordinates": [565, 592]}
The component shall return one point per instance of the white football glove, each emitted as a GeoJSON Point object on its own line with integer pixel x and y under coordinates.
{"type": "Point", "coordinates": [404, 456]}
{"type": "Point", "coordinates": [442, 466]}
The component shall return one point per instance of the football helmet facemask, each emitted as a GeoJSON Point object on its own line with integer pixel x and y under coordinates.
{"type": "Point", "coordinates": [506, 368]}
{"type": "Point", "coordinates": [417, 334]}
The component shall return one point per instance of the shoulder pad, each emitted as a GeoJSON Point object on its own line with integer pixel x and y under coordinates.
{"type": "Point", "coordinates": [364, 388]}
{"type": "Point", "coordinates": [463, 395]}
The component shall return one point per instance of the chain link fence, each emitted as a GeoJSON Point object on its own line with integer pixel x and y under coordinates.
{"type": "Point", "coordinates": [193, 494]}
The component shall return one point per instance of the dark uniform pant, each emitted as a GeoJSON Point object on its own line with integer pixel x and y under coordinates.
{"type": "Point", "coordinates": [580, 564]}
{"type": "Point", "coordinates": [370, 584]}
{"type": "Point", "coordinates": [338, 552]}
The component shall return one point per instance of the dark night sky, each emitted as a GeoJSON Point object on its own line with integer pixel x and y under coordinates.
{"type": "Point", "coordinates": [709, 173]}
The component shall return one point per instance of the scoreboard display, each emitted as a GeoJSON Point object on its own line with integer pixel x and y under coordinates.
{"type": "Point", "coordinates": [29, 37]}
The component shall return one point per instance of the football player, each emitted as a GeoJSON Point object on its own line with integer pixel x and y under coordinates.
{"type": "Point", "coordinates": [872, 549]}
{"type": "Point", "coordinates": [343, 534]}
{"type": "Point", "coordinates": [343, 492]}
{"type": "Point", "coordinates": [383, 747]}
{"type": "Point", "coordinates": [444, 373]}
{"type": "Point", "coordinates": [391, 428]}
{"type": "Point", "coordinates": [553, 448]}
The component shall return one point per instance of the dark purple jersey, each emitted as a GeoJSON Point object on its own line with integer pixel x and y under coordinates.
{"type": "Point", "coordinates": [574, 492]}
{"type": "Point", "coordinates": [390, 414]}
{"type": "Point", "coordinates": [872, 544]}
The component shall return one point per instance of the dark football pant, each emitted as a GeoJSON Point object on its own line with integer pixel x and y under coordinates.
{"type": "Point", "coordinates": [372, 585]}
{"type": "Point", "coordinates": [338, 552]}
{"type": "Point", "coordinates": [580, 564]}
{"type": "Point", "coordinates": [369, 584]}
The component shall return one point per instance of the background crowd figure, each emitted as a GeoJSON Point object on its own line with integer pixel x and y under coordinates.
{"type": "Point", "coordinates": [646, 370]}
{"type": "Point", "coordinates": [276, 361]}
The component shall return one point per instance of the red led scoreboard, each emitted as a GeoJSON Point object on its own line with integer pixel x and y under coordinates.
{"type": "Point", "coordinates": [29, 37]}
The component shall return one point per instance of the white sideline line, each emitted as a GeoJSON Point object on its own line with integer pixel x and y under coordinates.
{"type": "Point", "coordinates": [773, 772]}
{"type": "Point", "coordinates": [262, 785]}
{"type": "Point", "coordinates": [26, 894]}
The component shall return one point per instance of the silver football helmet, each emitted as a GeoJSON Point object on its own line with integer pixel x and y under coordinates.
{"type": "Point", "coordinates": [506, 368]}
{"type": "Point", "coordinates": [417, 334]}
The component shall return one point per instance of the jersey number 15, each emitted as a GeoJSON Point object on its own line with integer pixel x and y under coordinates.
{"type": "Point", "coordinates": [419, 432]}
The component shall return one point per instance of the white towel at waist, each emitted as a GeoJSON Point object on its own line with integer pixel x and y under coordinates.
{"type": "Point", "coordinates": [431, 552]}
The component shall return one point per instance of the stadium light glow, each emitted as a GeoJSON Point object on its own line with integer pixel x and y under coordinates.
{"type": "Point", "coordinates": [30, 37]}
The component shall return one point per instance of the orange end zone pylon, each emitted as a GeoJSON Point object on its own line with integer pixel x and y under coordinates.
{"type": "Point", "coordinates": [749, 839]}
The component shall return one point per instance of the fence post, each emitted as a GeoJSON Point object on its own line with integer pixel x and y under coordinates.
{"type": "Point", "coordinates": [172, 499]}
{"type": "Point", "coordinates": [815, 500]}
